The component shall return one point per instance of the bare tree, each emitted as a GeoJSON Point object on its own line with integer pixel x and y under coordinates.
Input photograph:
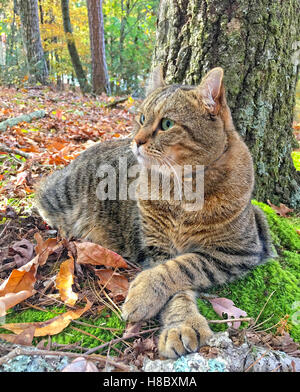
{"type": "Point", "coordinates": [80, 74]}
{"type": "Point", "coordinates": [32, 40]}
{"type": "Point", "coordinates": [100, 81]}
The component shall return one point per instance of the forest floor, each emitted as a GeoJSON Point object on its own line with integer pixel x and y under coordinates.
{"type": "Point", "coordinates": [66, 295]}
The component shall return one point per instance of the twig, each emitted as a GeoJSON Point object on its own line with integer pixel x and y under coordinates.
{"type": "Point", "coordinates": [7, 266]}
{"type": "Point", "coordinates": [94, 349]}
{"type": "Point", "coordinates": [4, 148]}
{"type": "Point", "coordinates": [87, 334]}
{"type": "Point", "coordinates": [96, 326]}
{"type": "Point", "coordinates": [268, 299]}
{"type": "Point", "coordinates": [277, 367]}
{"type": "Point", "coordinates": [248, 319]}
{"type": "Point", "coordinates": [254, 327]}
{"type": "Point", "coordinates": [116, 102]}
{"type": "Point", "coordinates": [257, 360]}
{"type": "Point", "coordinates": [22, 351]}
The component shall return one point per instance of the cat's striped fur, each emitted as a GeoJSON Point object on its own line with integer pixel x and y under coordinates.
{"type": "Point", "coordinates": [185, 250]}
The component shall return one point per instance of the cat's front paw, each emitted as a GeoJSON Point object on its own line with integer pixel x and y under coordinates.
{"type": "Point", "coordinates": [184, 338]}
{"type": "Point", "coordinates": [145, 299]}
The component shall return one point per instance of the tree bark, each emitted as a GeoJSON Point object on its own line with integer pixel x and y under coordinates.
{"type": "Point", "coordinates": [80, 74]}
{"type": "Point", "coordinates": [100, 81]}
{"type": "Point", "coordinates": [32, 40]}
{"type": "Point", "coordinates": [258, 45]}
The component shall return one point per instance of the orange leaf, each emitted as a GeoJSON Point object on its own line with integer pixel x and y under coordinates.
{"type": "Point", "coordinates": [282, 210]}
{"type": "Point", "coordinates": [116, 283]}
{"type": "Point", "coordinates": [89, 253]}
{"type": "Point", "coordinates": [16, 288]}
{"type": "Point", "coordinates": [19, 281]}
{"type": "Point", "coordinates": [49, 327]}
{"type": "Point", "coordinates": [44, 248]}
{"type": "Point", "coordinates": [64, 281]}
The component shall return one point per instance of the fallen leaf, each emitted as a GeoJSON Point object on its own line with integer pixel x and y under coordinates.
{"type": "Point", "coordinates": [282, 210]}
{"type": "Point", "coordinates": [64, 281]}
{"type": "Point", "coordinates": [49, 327]}
{"type": "Point", "coordinates": [16, 288]}
{"type": "Point", "coordinates": [89, 253]}
{"type": "Point", "coordinates": [44, 248]}
{"type": "Point", "coordinates": [24, 252]}
{"type": "Point", "coordinates": [132, 329]}
{"type": "Point", "coordinates": [10, 300]}
{"type": "Point", "coordinates": [226, 306]}
{"type": "Point", "coordinates": [81, 365]}
{"type": "Point", "coordinates": [18, 281]}
{"type": "Point", "coordinates": [116, 283]}
{"type": "Point", "coordinates": [21, 178]}
{"type": "Point", "coordinates": [23, 339]}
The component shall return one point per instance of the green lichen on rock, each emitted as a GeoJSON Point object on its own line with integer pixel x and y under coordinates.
{"type": "Point", "coordinates": [281, 275]}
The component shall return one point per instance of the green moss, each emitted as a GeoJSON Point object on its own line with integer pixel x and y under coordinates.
{"type": "Point", "coordinates": [69, 335]}
{"type": "Point", "coordinates": [296, 159]}
{"type": "Point", "coordinates": [281, 275]}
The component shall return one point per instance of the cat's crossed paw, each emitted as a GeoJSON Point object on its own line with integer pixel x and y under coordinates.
{"type": "Point", "coordinates": [144, 300]}
{"type": "Point", "coordinates": [184, 338]}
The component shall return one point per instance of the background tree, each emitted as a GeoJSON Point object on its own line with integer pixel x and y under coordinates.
{"type": "Point", "coordinates": [37, 66]}
{"type": "Point", "coordinates": [100, 81]}
{"type": "Point", "coordinates": [257, 44]}
{"type": "Point", "coordinates": [80, 74]}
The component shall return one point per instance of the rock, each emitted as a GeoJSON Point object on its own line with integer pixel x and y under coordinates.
{"type": "Point", "coordinates": [227, 357]}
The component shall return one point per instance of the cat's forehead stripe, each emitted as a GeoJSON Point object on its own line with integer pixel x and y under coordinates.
{"type": "Point", "coordinates": [157, 101]}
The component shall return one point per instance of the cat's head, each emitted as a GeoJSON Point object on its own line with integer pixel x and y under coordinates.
{"type": "Point", "coordinates": [182, 125]}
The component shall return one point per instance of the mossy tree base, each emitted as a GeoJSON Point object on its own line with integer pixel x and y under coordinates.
{"type": "Point", "coordinates": [257, 44]}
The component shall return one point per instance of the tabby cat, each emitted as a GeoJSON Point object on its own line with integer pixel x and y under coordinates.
{"type": "Point", "coordinates": [181, 251]}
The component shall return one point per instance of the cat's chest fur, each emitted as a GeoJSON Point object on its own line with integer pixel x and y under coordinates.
{"type": "Point", "coordinates": [169, 226]}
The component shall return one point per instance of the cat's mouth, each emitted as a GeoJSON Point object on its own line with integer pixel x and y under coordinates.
{"type": "Point", "coordinates": [144, 158]}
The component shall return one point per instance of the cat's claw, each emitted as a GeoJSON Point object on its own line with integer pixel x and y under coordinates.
{"type": "Point", "coordinates": [142, 301]}
{"type": "Point", "coordinates": [184, 338]}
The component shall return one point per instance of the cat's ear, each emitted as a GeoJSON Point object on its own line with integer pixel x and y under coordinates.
{"type": "Point", "coordinates": [211, 90]}
{"type": "Point", "coordinates": [155, 80]}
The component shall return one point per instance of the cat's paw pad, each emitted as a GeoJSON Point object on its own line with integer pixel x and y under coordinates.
{"type": "Point", "coordinates": [183, 339]}
{"type": "Point", "coordinates": [142, 301]}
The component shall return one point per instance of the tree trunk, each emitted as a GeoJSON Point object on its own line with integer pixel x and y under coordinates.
{"type": "Point", "coordinates": [257, 43]}
{"type": "Point", "coordinates": [80, 74]}
{"type": "Point", "coordinates": [100, 81]}
{"type": "Point", "coordinates": [32, 40]}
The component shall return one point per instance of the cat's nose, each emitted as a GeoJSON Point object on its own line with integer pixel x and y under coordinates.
{"type": "Point", "coordinates": [140, 141]}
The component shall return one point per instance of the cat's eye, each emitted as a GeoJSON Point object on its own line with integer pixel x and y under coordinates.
{"type": "Point", "coordinates": [166, 124]}
{"type": "Point", "coordinates": [142, 119]}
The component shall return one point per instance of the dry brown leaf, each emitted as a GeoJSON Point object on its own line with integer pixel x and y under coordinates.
{"type": "Point", "coordinates": [116, 283]}
{"type": "Point", "coordinates": [49, 327]}
{"type": "Point", "coordinates": [24, 338]}
{"type": "Point", "coordinates": [89, 253]}
{"type": "Point", "coordinates": [16, 288]}
{"type": "Point", "coordinates": [282, 210]}
{"type": "Point", "coordinates": [19, 281]}
{"type": "Point", "coordinates": [44, 248]}
{"type": "Point", "coordinates": [64, 281]}
{"type": "Point", "coordinates": [24, 252]}
{"type": "Point", "coordinates": [132, 329]}
{"type": "Point", "coordinates": [12, 299]}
